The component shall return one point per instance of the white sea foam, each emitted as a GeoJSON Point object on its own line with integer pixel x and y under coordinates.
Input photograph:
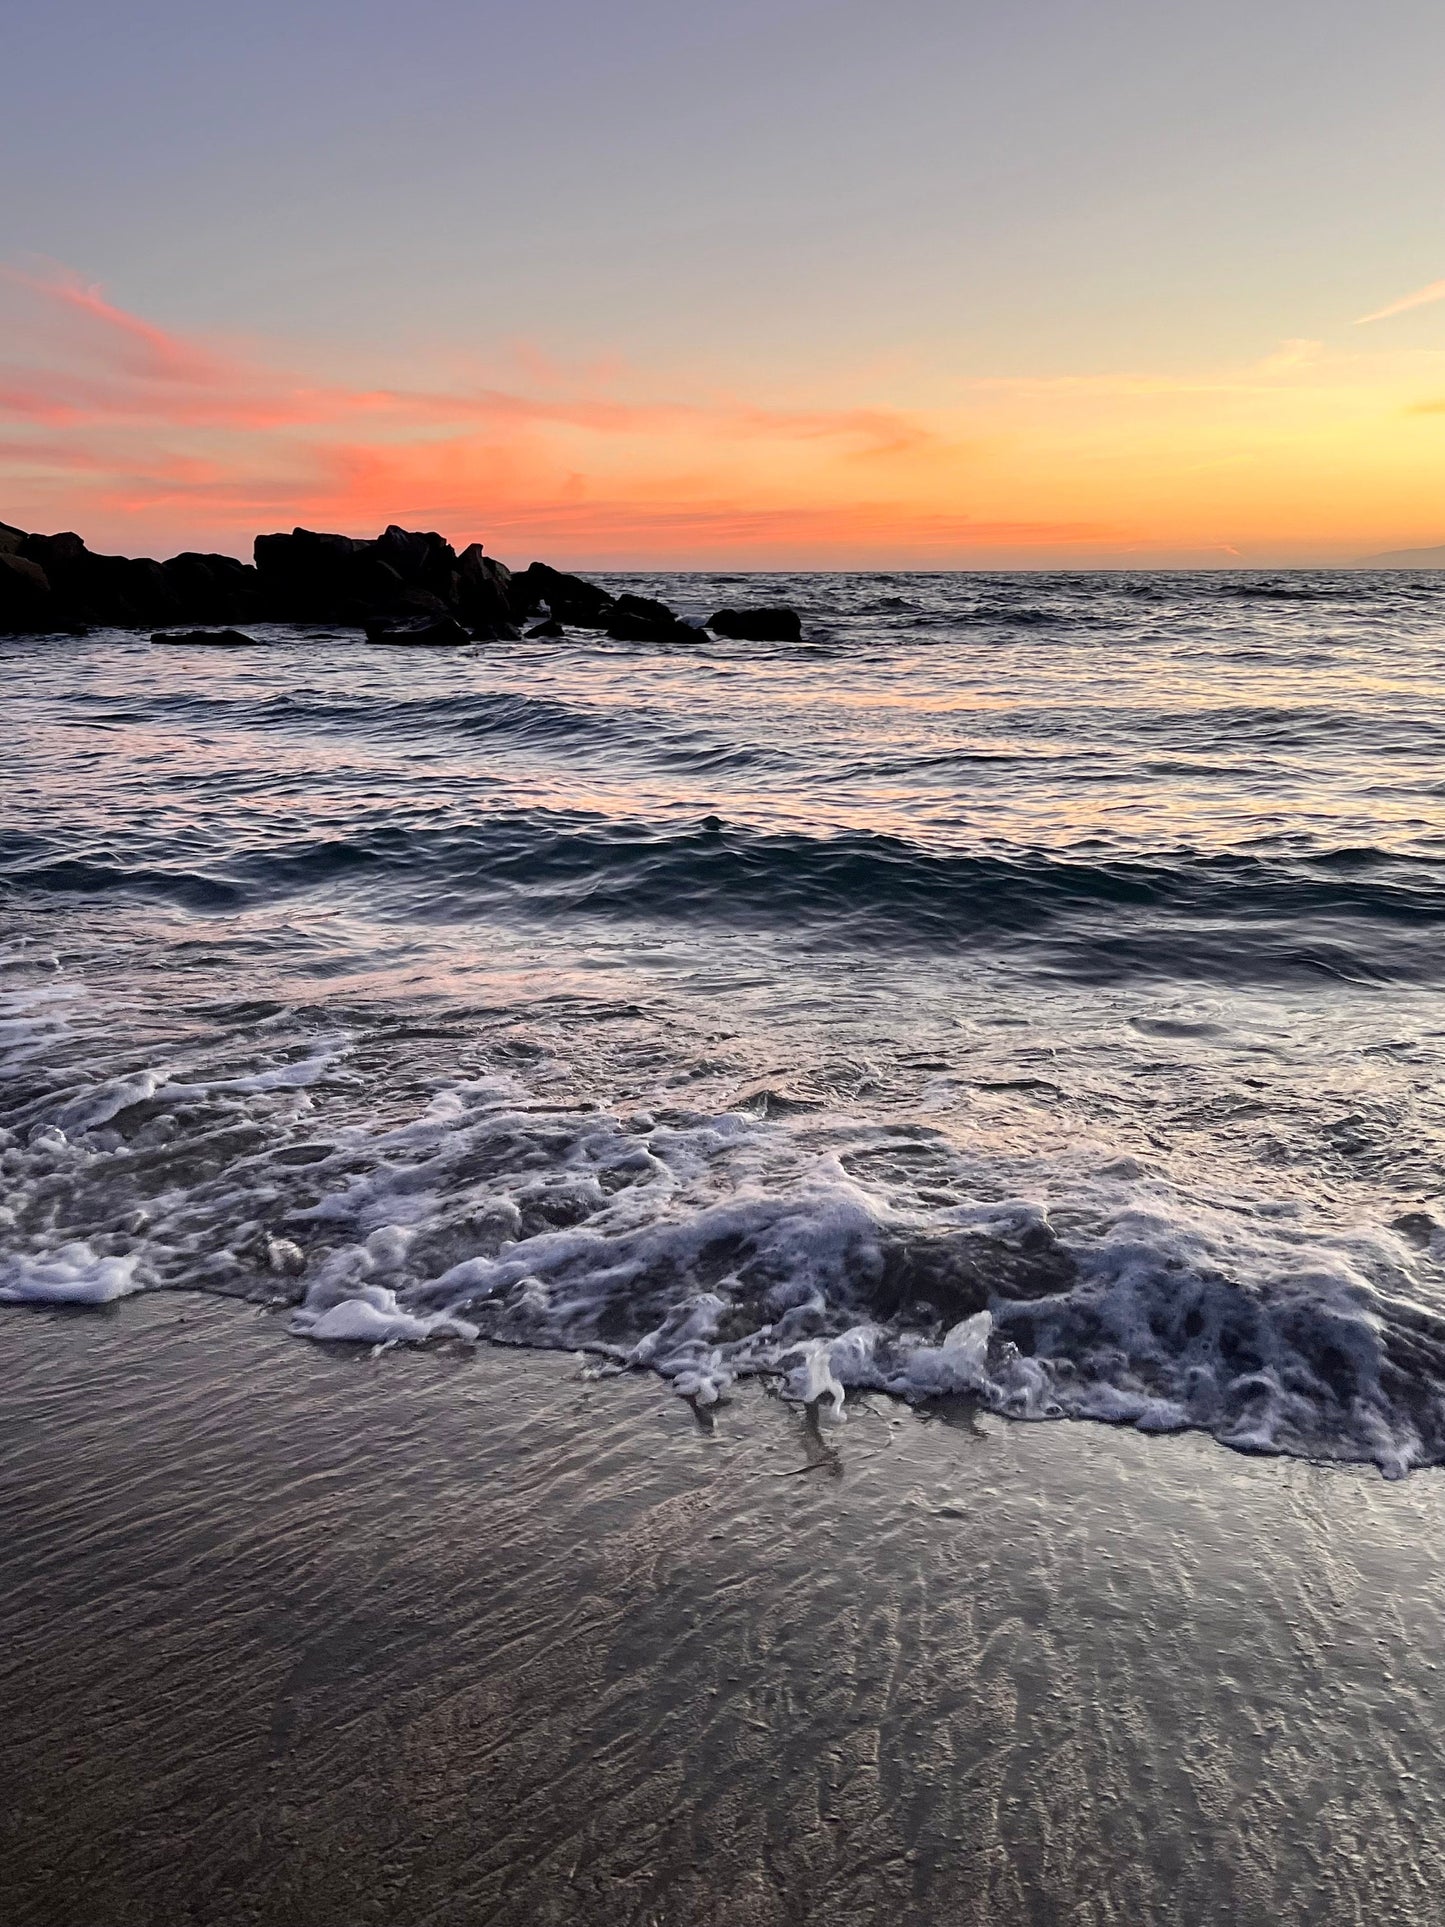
{"type": "Point", "coordinates": [710, 1245]}
{"type": "Point", "coordinates": [73, 1274]}
{"type": "Point", "coordinates": [372, 1316]}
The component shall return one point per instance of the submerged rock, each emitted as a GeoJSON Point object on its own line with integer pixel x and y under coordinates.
{"type": "Point", "coordinates": [205, 638]}
{"type": "Point", "coordinates": [548, 631]}
{"type": "Point", "coordinates": [426, 632]}
{"type": "Point", "coordinates": [772, 624]}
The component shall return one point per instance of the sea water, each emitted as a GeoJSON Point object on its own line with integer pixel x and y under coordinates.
{"type": "Point", "coordinates": [1027, 988]}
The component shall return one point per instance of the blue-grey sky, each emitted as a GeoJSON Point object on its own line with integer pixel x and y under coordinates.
{"type": "Point", "coordinates": [801, 200]}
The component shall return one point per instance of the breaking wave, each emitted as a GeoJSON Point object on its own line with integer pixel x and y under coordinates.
{"type": "Point", "coordinates": [1361, 912]}
{"type": "Point", "coordinates": [830, 1251]}
{"type": "Point", "coordinates": [1024, 990]}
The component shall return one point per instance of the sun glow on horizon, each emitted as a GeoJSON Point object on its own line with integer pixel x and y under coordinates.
{"type": "Point", "coordinates": [146, 439]}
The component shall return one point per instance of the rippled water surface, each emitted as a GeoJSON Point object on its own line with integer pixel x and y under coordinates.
{"type": "Point", "coordinates": [1028, 988]}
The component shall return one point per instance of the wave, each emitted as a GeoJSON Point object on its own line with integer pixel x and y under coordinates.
{"type": "Point", "coordinates": [1350, 912]}
{"type": "Point", "coordinates": [422, 851]}
{"type": "Point", "coordinates": [706, 1247]}
{"type": "Point", "coordinates": [84, 876]}
{"type": "Point", "coordinates": [1286, 591]}
{"type": "Point", "coordinates": [1026, 615]}
{"type": "Point", "coordinates": [515, 721]}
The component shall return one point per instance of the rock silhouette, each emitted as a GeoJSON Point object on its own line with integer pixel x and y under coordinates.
{"type": "Point", "coordinates": [419, 632]}
{"type": "Point", "coordinates": [214, 588]}
{"type": "Point", "coordinates": [566, 598]}
{"type": "Point", "coordinates": [640, 618]}
{"type": "Point", "coordinates": [403, 581]}
{"type": "Point", "coordinates": [24, 585]}
{"type": "Point", "coordinates": [776, 624]}
{"type": "Point", "coordinates": [205, 638]}
{"type": "Point", "coordinates": [484, 590]}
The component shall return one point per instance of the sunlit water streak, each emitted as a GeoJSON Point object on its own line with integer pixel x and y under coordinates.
{"type": "Point", "coordinates": [1027, 986]}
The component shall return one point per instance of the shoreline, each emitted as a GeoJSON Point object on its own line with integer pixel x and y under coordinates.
{"type": "Point", "coordinates": [317, 1640]}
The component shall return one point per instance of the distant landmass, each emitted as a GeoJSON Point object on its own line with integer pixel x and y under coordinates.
{"type": "Point", "coordinates": [1406, 559]}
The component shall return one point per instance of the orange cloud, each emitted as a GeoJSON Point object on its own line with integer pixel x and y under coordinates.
{"type": "Point", "coordinates": [149, 441]}
{"type": "Point", "coordinates": [209, 442]}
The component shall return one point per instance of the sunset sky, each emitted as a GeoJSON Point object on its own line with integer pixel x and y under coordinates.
{"type": "Point", "coordinates": [780, 282]}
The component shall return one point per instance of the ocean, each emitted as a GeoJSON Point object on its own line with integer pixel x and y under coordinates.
{"type": "Point", "coordinates": [1025, 992]}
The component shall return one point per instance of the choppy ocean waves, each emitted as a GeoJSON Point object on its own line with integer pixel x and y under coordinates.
{"type": "Point", "coordinates": [1023, 990]}
{"type": "Point", "coordinates": [831, 1253]}
{"type": "Point", "coordinates": [1352, 912]}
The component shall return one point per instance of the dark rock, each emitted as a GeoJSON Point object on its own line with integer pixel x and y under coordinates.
{"type": "Point", "coordinates": [567, 597]}
{"type": "Point", "coordinates": [418, 602]}
{"type": "Point", "coordinates": [314, 577]}
{"type": "Point", "coordinates": [639, 618]}
{"type": "Point", "coordinates": [408, 551]}
{"type": "Point", "coordinates": [204, 638]}
{"type": "Point", "coordinates": [775, 624]}
{"type": "Point", "coordinates": [425, 562]}
{"type": "Point", "coordinates": [58, 552]}
{"type": "Point", "coordinates": [419, 632]}
{"type": "Point", "coordinates": [26, 601]}
{"type": "Point", "coordinates": [622, 627]}
{"type": "Point", "coordinates": [422, 557]}
{"type": "Point", "coordinates": [307, 576]}
{"type": "Point", "coordinates": [411, 583]}
{"type": "Point", "coordinates": [646, 606]}
{"type": "Point", "coordinates": [304, 554]}
{"type": "Point", "coordinates": [547, 631]}
{"type": "Point", "coordinates": [484, 587]}
{"type": "Point", "coordinates": [107, 589]}
{"type": "Point", "coordinates": [213, 588]}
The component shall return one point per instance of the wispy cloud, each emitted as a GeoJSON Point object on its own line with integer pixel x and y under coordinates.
{"type": "Point", "coordinates": [1421, 298]}
{"type": "Point", "coordinates": [149, 439]}
{"type": "Point", "coordinates": [1298, 352]}
{"type": "Point", "coordinates": [118, 368]}
{"type": "Point", "coordinates": [1290, 360]}
{"type": "Point", "coordinates": [114, 424]}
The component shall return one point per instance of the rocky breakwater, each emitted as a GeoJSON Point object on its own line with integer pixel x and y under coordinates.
{"type": "Point", "coordinates": [54, 582]}
{"type": "Point", "coordinates": [402, 586]}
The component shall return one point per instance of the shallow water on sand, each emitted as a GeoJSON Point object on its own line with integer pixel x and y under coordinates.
{"type": "Point", "coordinates": [1026, 987]}
{"type": "Point", "coordinates": [295, 1638]}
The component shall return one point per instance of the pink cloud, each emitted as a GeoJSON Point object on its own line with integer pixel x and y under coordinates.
{"type": "Point", "coordinates": [142, 436]}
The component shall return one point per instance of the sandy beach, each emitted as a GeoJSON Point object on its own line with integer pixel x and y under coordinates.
{"type": "Point", "coordinates": [314, 1639]}
{"type": "Point", "coordinates": [722, 932]}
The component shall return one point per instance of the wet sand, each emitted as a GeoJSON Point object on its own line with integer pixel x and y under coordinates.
{"type": "Point", "coordinates": [313, 1640]}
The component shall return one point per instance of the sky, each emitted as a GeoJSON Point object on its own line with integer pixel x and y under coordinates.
{"type": "Point", "coordinates": [803, 283]}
